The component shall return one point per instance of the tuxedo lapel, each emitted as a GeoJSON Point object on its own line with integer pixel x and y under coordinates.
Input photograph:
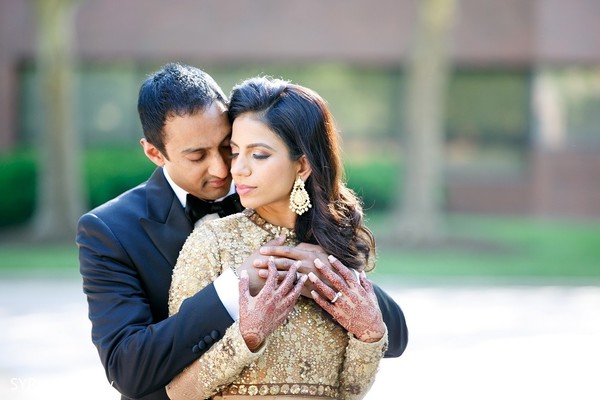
{"type": "Point", "coordinates": [166, 224]}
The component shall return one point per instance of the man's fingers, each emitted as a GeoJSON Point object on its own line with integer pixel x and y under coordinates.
{"type": "Point", "coordinates": [263, 273]}
{"type": "Point", "coordinates": [293, 253]}
{"type": "Point", "coordinates": [282, 264]}
{"type": "Point", "coordinates": [313, 248]}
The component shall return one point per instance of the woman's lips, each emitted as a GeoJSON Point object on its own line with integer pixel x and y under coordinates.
{"type": "Point", "coordinates": [243, 189]}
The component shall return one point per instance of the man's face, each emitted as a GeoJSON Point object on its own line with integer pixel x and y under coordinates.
{"type": "Point", "coordinates": [198, 149]}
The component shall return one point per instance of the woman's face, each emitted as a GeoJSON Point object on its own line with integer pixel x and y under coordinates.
{"type": "Point", "coordinates": [262, 170]}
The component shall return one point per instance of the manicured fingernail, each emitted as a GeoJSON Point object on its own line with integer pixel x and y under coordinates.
{"type": "Point", "coordinates": [303, 278]}
{"type": "Point", "coordinates": [332, 258]}
{"type": "Point", "coordinates": [312, 277]}
{"type": "Point", "coordinates": [318, 263]}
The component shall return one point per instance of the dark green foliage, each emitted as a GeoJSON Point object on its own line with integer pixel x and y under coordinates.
{"type": "Point", "coordinates": [107, 173]}
{"type": "Point", "coordinates": [18, 181]}
{"type": "Point", "coordinates": [375, 182]}
{"type": "Point", "coordinates": [110, 172]}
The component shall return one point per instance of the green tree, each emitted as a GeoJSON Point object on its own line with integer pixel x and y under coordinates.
{"type": "Point", "coordinates": [59, 200]}
{"type": "Point", "coordinates": [418, 210]}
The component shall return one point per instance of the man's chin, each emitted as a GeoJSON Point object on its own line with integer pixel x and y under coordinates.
{"type": "Point", "coordinates": [213, 194]}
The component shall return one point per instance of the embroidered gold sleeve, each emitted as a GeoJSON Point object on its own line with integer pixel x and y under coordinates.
{"type": "Point", "coordinates": [215, 369]}
{"type": "Point", "coordinates": [198, 265]}
{"type": "Point", "coordinates": [360, 367]}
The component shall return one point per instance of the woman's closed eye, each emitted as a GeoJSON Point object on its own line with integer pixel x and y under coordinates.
{"type": "Point", "coordinates": [256, 155]}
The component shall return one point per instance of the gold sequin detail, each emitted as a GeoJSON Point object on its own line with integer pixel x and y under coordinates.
{"type": "Point", "coordinates": [309, 354]}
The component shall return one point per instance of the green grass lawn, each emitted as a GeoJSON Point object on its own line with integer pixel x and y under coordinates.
{"type": "Point", "coordinates": [59, 260]}
{"type": "Point", "coordinates": [488, 248]}
{"type": "Point", "coordinates": [496, 248]}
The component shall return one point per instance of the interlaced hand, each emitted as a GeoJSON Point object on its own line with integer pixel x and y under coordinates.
{"type": "Point", "coordinates": [260, 315]}
{"type": "Point", "coordinates": [350, 301]}
{"type": "Point", "coordinates": [304, 253]}
{"type": "Point", "coordinates": [257, 281]}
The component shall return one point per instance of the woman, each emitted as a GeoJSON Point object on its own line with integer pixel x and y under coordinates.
{"type": "Point", "coordinates": [288, 174]}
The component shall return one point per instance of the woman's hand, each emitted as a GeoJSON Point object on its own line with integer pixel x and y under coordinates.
{"type": "Point", "coordinates": [351, 301]}
{"type": "Point", "coordinates": [262, 314]}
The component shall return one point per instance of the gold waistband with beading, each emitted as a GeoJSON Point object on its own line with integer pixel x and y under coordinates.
{"type": "Point", "coordinates": [265, 389]}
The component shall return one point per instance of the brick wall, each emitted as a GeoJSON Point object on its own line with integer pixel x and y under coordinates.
{"type": "Point", "coordinates": [566, 183]}
{"type": "Point", "coordinates": [563, 183]}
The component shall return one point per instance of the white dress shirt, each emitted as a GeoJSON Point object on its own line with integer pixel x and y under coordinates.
{"type": "Point", "coordinates": [226, 284]}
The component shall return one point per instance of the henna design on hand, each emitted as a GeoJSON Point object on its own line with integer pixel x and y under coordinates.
{"type": "Point", "coordinates": [357, 310]}
{"type": "Point", "coordinates": [260, 315]}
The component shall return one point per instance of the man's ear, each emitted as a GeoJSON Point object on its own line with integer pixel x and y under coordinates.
{"type": "Point", "coordinates": [304, 169]}
{"type": "Point", "coordinates": [152, 153]}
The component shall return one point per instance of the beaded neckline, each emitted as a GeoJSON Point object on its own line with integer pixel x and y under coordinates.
{"type": "Point", "coordinates": [274, 230]}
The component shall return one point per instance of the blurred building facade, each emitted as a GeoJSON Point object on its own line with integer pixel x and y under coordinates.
{"type": "Point", "coordinates": [550, 47]}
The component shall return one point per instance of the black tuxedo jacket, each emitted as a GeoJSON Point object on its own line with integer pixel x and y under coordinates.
{"type": "Point", "coordinates": [127, 250]}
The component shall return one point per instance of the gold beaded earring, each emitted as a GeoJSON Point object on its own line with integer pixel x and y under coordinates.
{"type": "Point", "coordinates": [299, 200]}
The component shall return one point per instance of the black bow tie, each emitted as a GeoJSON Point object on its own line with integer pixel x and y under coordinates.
{"type": "Point", "coordinates": [196, 208]}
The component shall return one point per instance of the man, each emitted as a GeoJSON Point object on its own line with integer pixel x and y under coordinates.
{"type": "Point", "coordinates": [128, 246]}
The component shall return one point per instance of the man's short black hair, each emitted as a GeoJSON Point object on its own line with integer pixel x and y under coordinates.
{"type": "Point", "coordinates": [174, 90]}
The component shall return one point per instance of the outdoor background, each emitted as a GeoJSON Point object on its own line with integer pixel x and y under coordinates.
{"type": "Point", "coordinates": [471, 129]}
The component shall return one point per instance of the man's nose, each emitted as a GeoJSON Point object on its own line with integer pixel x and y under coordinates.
{"type": "Point", "coordinates": [219, 166]}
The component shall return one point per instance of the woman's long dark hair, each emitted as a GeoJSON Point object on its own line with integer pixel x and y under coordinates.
{"type": "Point", "coordinates": [301, 118]}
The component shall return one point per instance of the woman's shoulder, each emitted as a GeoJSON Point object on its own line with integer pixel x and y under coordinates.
{"type": "Point", "coordinates": [232, 220]}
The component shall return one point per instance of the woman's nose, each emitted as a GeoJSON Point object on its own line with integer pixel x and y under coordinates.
{"type": "Point", "coordinates": [239, 167]}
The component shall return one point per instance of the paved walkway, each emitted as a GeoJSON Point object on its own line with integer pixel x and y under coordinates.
{"type": "Point", "coordinates": [510, 342]}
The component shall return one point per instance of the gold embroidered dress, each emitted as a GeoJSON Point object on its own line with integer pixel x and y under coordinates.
{"type": "Point", "coordinates": [308, 355]}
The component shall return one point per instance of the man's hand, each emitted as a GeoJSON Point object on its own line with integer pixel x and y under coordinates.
{"type": "Point", "coordinates": [256, 281]}
{"type": "Point", "coordinates": [286, 256]}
